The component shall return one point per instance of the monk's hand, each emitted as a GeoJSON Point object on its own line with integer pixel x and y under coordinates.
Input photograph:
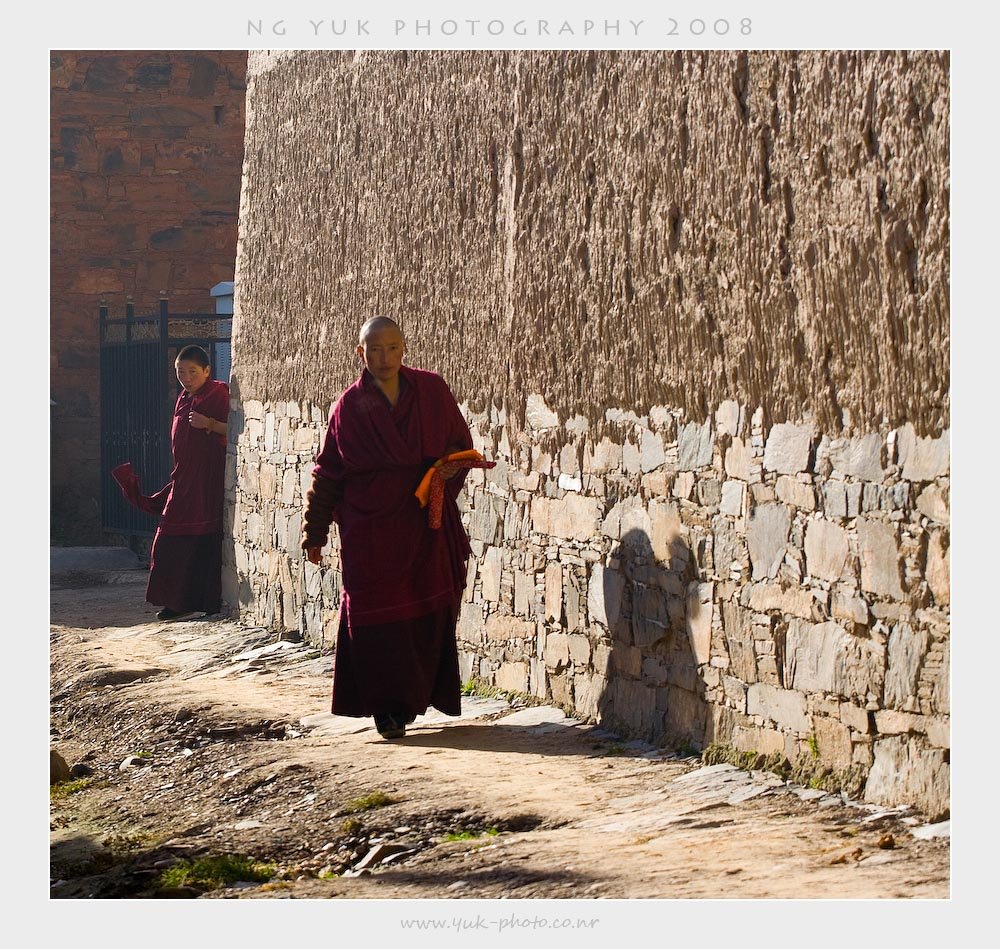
{"type": "Point", "coordinates": [314, 554]}
{"type": "Point", "coordinates": [198, 420]}
{"type": "Point", "coordinates": [449, 470]}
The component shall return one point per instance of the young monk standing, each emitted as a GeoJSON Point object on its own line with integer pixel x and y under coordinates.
{"type": "Point", "coordinates": [402, 578]}
{"type": "Point", "coordinates": [185, 572]}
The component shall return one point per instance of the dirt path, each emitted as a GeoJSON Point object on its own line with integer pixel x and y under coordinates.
{"type": "Point", "coordinates": [233, 752]}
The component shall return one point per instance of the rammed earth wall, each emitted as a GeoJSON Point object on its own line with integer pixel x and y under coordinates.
{"type": "Point", "coordinates": [695, 306]}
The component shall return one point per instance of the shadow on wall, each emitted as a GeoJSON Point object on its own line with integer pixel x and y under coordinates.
{"type": "Point", "coordinates": [236, 594]}
{"type": "Point", "coordinates": [653, 611]}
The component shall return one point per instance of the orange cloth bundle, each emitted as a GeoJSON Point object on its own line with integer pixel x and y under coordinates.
{"type": "Point", "coordinates": [430, 491]}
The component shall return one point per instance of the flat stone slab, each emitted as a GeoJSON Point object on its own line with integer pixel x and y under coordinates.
{"type": "Point", "coordinates": [928, 831]}
{"type": "Point", "coordinates": [542, 717]}
{"type": "Point", "coordinates": [69, 559]}
{"type": "Point", "coordinates": [280, 646]}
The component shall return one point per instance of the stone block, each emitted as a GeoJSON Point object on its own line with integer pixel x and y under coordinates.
{"type": "Point", "coordinates": [737, 629]}
{"type": "Point", "coordinates": [571, 603]}
{"type": "Point", "coordinates": [826, 550]}
{"type": "Point", "coordinates": [632, 705]}
{"type": "Point", "coordinates": [631, 459]}
{"type": "Point", "coordinates": [569, 459]}
{"type": "Point", "coordinates": [784, 707]}
{"type": "Point", "coordinates": [502, 627]}
{"type": "Point", "coordinates": [627, 661]}
{"type": "Point", "coordinates": [665, 530]}
{"type": "Point", "coordinates": [541, 462]}
{"type": "Point", "coordinates": [939, 731]}
{"type": "Point", "coordinates": [938, 571]}
{"type": "Point", "coordinates": [654, 670]}
{"type": "Point", "coordinates": [859, 458]}
{"type": "Point", "coordinates": [556, 652]}
{"type": "Point", "coordinates": [770, 597]}
{"type": "Point", "coordinates": [466, 664]}
{"type": "Point", "coordinates": [289, 479]}
{"type": "Point", "coordinates": [767, 537]}
{"type": "Point", "coordinates": [490, 572]}
{"type": "Point", "coordinates": [684, 716]}
{"type": "Point", "coordinates": [835, 499]}
{"type": "Point", "coordinates": [561, 689]}
{"type": "Point", "coordinates": [636, 526]}
{"type": "Point", "coordinates": [823, 657]}
{"type": "Point", "coordinates": [730, 418]}
{"type": "Point", "coordinates": [892, 722]}
{"type": "Point", "coordinates": [787, 448]}
{"type": "Point", "coordinates": [880, 566]}
{"type": "Point", "coordinates": [683, 485]}
{"type": "Point", "coordinates": [709, 492]}
{"type": "Point", "coordinates": [735, 692]}
{"type": "Point", "coordinates": [589, 693]}
{"type": "Point", "coordinates": [512, 677]}
{"type": "Point", "coordinates": [524, 593]}
{"type": "Point", "coordinates": [603, 457]}
{"type": "Point", "coordinates": [601, 657]}
{"type": "Point", "coordinates": [694, 445]}
{"type": "Point", "coordinates": [699, 620]}
{"type": "Point", "coordinates": [573, 517]}
{"type": "Point", "coordinates": [907, 771]}
{"type": "Point", "coordinates": [305, 439]}
{"type": "Point", "coordinates": [932, 502]}
{"type": "Point", "coordinates": [553, 592]}
{"type": "Point", "coordinates": [852, 494]}
{"type": "Point", "coordinates": [765, 741]}
{"type": "Point", "coordinates": [833, 741]}
{"type": "Point", "coordinates": [729, 547]}
{"type": "Point", "coordinates": [579, 649]}
{"type": "Point", "coordinates": [856, 717]}
{"type": "Point", "coordinates": [796, 493]}
{"type": "Point", "coordinates": [485, 521]}
{"type": "Point", "coordinates": [739, 460]}
{"type": "Point", "coordinates": [651, 451]}
{"type": "Point", "coordinates": [538, 415]}
{"type": "Point", "coordinates": [906, 650]}
{"type": "Point", "coordinates": [923, 459]}
{"type": "Point", "coordinates": [733, 498]}
{"type": "Point", "coordinates": [852, 608]}
{"type": "Point", "coordinates": [604, 596]}
{"type": "Point", "coordinates": [469, 627]}
{"type": "Point", "coordinates": [650, 614]}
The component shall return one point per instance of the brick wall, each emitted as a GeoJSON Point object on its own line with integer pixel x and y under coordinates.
{"type": "Point", "coordinates": [147, 152]}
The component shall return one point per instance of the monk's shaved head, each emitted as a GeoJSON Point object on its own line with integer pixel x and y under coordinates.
{"type": "Point", "coordinates": [374, 325]}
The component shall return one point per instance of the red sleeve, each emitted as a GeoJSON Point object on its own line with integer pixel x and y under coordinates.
{"type": "Point", "coordinates": [329, 463]}
{"type": "Point", "coordinates": [216, 405]}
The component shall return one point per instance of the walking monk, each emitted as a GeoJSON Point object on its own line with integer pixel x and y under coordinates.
{"type": "Point", "coordinates": [185, 571]}
{"type": "Point", "coordinates": [402, 576]}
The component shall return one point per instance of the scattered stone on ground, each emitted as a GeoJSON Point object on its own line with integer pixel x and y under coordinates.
{"type": "Point", "coordinates": [229, 749]}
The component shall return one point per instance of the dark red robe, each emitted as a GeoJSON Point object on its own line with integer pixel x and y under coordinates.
{"type": "Point", "coordinates": [402, 579]}
{"type": "Point", "coordinates": [185, 572]}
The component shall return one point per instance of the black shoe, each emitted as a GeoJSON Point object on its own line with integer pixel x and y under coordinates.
{"type": "Point", "coordinates": [389, 726]}
{"type": "Point", "coordinates": [167, 614]}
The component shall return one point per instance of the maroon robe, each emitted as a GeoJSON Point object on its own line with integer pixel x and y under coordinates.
{"type": "Point", "coordinates": [402, 580]}
{"type": "Point", "coordinates": [185, 571]}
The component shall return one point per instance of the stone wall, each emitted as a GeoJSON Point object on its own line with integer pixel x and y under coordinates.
{"type": "Point", "coordinates": [147, 150]}
{"type": "Point", "coordinates": [716, 391]}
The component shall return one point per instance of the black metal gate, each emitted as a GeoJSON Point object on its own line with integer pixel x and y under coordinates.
{"type": "Point", "coordinates": [138, 393]}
